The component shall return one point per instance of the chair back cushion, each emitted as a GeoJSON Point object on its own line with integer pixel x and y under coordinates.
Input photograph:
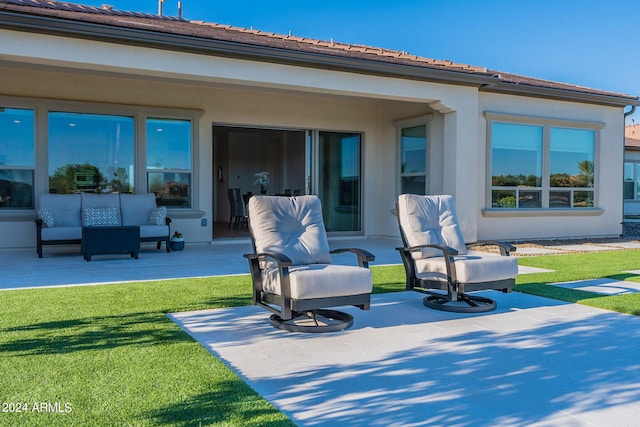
{"type": "Point", "coordinates": [136, 209]}
{"type": "Point", "coordinates": [292, 226]}
{"type": "Point", "coordinates": [91, 201]}
{"type": "Point", "coordinates": [64, 208]}
{"type": "Point", "coordinates": [429, 220]}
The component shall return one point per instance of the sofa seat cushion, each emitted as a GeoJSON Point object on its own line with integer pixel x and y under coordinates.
{"type": "Point", "coordinates": [65, 208]}
{"type": "Point", "coordinates": [320, 281]}
{"type": "Point", "coordinates": [136, 208]}
{"type": "Point", "coordinates": [469, 268]}
{"type": "Point", "coordinates": [154, 231]}
{"type": "Point", "coordinates": [62, 233]}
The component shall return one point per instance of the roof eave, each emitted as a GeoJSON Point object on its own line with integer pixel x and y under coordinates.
{"type": "Point", "coordinates": [159, 40]}
{"type": "Point", "coordinates": [560, 94]}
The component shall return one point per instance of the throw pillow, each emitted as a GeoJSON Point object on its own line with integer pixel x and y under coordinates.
{"type": "Point", "coordinates": [158, 216]}
{"type": "Point", "coordinates": [46, 217]}
{"type": "Point", "coordinates": [95, 217]}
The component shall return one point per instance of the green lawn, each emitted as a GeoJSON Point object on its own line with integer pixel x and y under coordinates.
{"type": "Point", "coordinates": [108, 355]}
{"type": "Point", "coordinates": [594, 265]}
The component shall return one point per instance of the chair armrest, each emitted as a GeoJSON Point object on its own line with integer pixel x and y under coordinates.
{"type": "Point", "coordinates": [167, 220]}
{"type": "Point", "coordinates": [281, 259]}
{"type": "Point", "coordinates": [38, 222]}
{"type": "Point", "coordinates": [505, 248]}
{"type": "Point", "coordinates": [364, 257]}
{"type": "Point", "coordinates": [446, 250]}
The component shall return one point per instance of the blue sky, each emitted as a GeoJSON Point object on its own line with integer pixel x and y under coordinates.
{"type": "Point", "coordinates": [587, 42]}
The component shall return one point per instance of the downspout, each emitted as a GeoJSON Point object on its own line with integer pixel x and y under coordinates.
{"type": "Point", "coordinates": [624, 126]}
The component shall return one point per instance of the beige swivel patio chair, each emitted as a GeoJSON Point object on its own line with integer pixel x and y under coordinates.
{"type": "Point", "coordinates": [291, 268]}
{"type": "Point", "coordinates": [436, 259]}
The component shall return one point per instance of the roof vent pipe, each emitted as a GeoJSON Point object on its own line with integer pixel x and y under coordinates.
{"type": "Point", "coordinates": [160, 3]}
{"type": "Point", "coordinates": [180, 9]}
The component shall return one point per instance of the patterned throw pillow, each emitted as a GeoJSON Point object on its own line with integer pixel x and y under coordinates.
{"type": "Point", "coordinates": [95, 217]}
{"type": "Point", "coordinates": [46, 217]}
{"type": "Point", "coordinates": [158, 215]}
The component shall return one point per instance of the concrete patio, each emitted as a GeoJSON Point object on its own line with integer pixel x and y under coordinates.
{"type": "Point", "coordinates": [533, 361]}
{"type": "Point", "coordinates": [64, 265]}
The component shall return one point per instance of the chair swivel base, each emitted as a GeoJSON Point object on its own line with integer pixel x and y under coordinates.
{"type": "Point", "coordinates": [464, 304]}
{"type": "Point", "coordinates": [315, 321]}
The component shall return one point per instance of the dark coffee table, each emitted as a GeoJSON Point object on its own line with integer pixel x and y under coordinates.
{"type": "Point", "coordinates": [110, 240]}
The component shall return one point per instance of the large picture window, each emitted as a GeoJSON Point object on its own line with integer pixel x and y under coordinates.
{"type": "Point", "coordinates": [17, 158]}
{"type": "Point", "coordinates": [169, 161]}
{"type": "Point", "coordinates": [541, 166]}
{"type": "Point", "coordinates": [90, 153]}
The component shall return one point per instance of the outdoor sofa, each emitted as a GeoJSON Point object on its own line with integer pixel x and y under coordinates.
{"type": "Point", "coordinates": [61, 217]}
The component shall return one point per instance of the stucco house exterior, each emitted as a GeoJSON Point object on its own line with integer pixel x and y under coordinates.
{"type": "Point", "coordinates": [101, 100]}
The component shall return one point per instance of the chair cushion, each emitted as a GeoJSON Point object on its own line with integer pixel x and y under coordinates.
{"type": "Point", "coordinates": [90, 200]}
{"type": "Point", "coordinates": [430, 220]}
{"type": "Point", "coordinates": [469, 268]}
{"type": "Point", "coordinates": [95, 217]}
{"type": "Point", "coordinates": [136, 208]}
{"type": "Point", "coordinates": [320, 281]}
{"type": "Point", "coordinates": [292, 226]}
{"type": "Point", "coordinates": [158, 215]}
{"type": "Point", "coordinates": [62, 233]}
{"type": "Point", "coordinates": [154, 231]}
{"type": "Point", "coordinates": [65, 208]}
{"type": "Point", "coordinates": [47, 218]}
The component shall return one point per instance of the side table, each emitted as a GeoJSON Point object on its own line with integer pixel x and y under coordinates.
{"type": "Point", "coordinates": [110, 240]}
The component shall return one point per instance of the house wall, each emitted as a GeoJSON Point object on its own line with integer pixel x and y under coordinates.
{"type": "Point", "coordinates": [604, 220]}
{"type": "Point", "coordinates": [239, 92]}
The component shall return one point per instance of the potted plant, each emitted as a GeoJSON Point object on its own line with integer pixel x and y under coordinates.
{"type": "Point", "coordinates": [177, 241]}
{"type": "Point", "coordinates": [262, 180]}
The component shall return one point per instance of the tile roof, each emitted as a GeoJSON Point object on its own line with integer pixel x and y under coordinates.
{"type": "Point", "coordinates": [329, 49]}
{"type": "Point", "coordinates": [632, 136]}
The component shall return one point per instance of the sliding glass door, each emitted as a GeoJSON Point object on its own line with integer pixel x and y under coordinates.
{"type": "Point", "coordinates": [339, 180]}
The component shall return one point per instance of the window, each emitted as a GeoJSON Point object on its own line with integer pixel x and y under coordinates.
{"type": "Point", "coordinates": [537, 165]}
{"type": "Point", "coordinates": [339, 180]}
{"type": "Point", "coordinates": [516, 168]}
{"type": "Point", "coordinates": [413, 160]}
{"type": "Point", "coordinates": [571, 167]}
{"type": "Point", "coordinates": [632, 180]}
{"type": "Point", "coordinates": [90, 153]}
{"type": "Point", "coordinates": [17, 158]}
{"type": "Point", "coordinates": [169, 161]}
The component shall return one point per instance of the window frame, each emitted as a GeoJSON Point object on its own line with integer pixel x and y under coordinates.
{"type": "Point", "coordinates": [406, 124]}
{"type": "Point", "coordinates": [190, 171]}
{"type": "Point", "coordinates": [42, 107]}
{"type": "Point", "coordinates": [547, 123]}
{"type": "Point", "coordinates": [636, 177]}
{"type": "Point", "coordinates": [33, 167]}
